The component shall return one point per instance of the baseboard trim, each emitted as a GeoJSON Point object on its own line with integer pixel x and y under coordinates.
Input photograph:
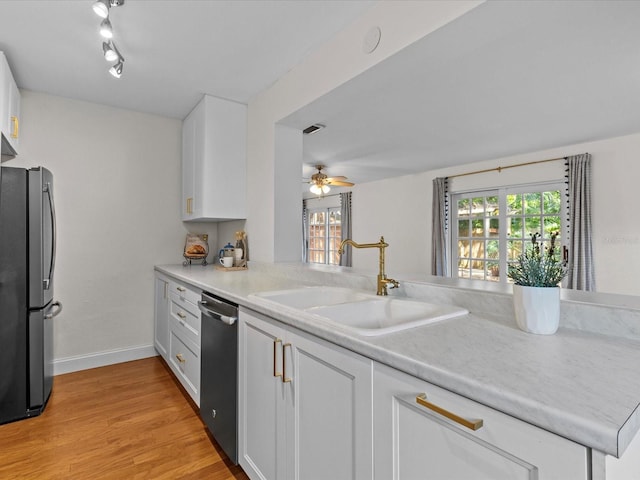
{"type": "Point", "coordinates": [101, 359]}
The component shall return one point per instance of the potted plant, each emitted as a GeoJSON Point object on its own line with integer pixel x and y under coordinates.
{"type": "Point", "coordinates": [537, 274]}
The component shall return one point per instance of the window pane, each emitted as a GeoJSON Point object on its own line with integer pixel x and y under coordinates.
{"type": "Point", "coordinates": [493, 271]}
{"type": "Point", "coordinates": [531, 226]}
{"type": "Point", "coordinates": [514, 249]}
{"type": "Point", "coordinates": [552, 202]}
{"type": "Point", "coordinates": [477, 249]}
{"type": "Point", "coordinates": [477, 226]}
{"type": "Point", "coordinates": [532, 203]}
{"type": "Point", "coordinates": [515, 227]}
{"type": "Point", "coordinates": [514, 204]}
{"type": "Point", "coordinates": [492, 204]}
{"type": "Point", "coordinates": [463, 208]}
{"type": "Point", "coordinates": [463, 228]}
{"type": "Point", "coordinates": [551, 225]}
{"type": "Point", "coordinates": [494, 224]}
{"type": "Point", "coordinates": [493, 249]}
{"type": "Point", "coordinates": [463, 249]}
{"type": "Point", "coordinates": [477, 206]}
{"type": "Point", "coordinates": [463, 269]}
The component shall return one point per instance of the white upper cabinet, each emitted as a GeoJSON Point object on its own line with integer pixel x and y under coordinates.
{"type": "Point", "coordinates": [214, 161]}
{"type": "Point", "coordinates": [9, 110]}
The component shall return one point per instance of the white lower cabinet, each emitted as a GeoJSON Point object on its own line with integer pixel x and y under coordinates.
{"type": "Point", "coordinates": [417, 442]}
{"type": "Point", "coordinates": [177, 331]}
{"type": "Point", "coordinates": [305, 405]}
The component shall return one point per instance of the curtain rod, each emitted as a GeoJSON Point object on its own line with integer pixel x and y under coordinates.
{"type": "Point", "coordinates": [499, 169]}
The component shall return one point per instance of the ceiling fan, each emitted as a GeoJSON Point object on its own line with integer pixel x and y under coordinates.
{"type": "Point", "coordinates": [320, 182]}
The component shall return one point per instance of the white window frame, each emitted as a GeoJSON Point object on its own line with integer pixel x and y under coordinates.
{"type": "Point", "coordinates": [501, 193]}
{"type": "Point", "coordinates": [328, 251]}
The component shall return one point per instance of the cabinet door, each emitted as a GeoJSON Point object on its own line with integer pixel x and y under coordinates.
{"type": "Point", "coordinates": [415, 442]}
{"type": "Point", "coordinates": [261, 429]}
{"type": "Point", "coordinates": [161, 314]}
{"type": "Point", "coordinates": [329, 411]}
{"type": "Point", "coordinates": [188, 164]}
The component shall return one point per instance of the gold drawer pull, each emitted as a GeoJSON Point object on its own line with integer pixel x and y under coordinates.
{"type": "Point", "coordinates": [181, 315]}
{"type": "Point", "coordinates": [472, 424]}
{"type": "Point", "coordinates": [180, 358]}
{"type": "Point", "coordinates": [275, 358]}
{"type": "Point", "coordinates": [181, 289]}
{"type": "Point", "coordinates": [285, 379]}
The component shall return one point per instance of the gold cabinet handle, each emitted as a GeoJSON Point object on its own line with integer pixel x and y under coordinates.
{"type": "Point", "coordinates": [275, 358]}
{"type": "Point", "coordinates": [181, 315]}
{"type": "Point", "coordinates": [190, 205]}
{"type": "Point", "coordinates": [180, 358]}
{"type": "Point", "coordinates": [181, 289]}
{"type": "Point", "coordinates": [285, 379]}
{"type": "Point", "coordinates": [472, 424]}
{"type": "Point", "coordinates": [14, 120]}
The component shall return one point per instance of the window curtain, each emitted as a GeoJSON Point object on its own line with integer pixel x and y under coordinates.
{"type": "Point", "coordinates": [345, 219]}
{"type": "Point", "coordinates": [581, 270]}
{"type": "Point", "coordinates": [305, 233]}
{"type": "Point", "coordinates": [439, 220]}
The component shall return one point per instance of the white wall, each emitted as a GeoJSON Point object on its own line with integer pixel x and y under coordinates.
{"type": "Point", "coordinates": [400, 209]}
{"type": "Point", "coordinates": [401, 22]}
{"type": "Point", "coordinates": [117, 192]}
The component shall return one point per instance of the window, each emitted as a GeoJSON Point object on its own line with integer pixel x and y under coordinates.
{"type": "Point", "coordinates": [324, 235]}
{"type": "Point", "coordinates": [492, 228]}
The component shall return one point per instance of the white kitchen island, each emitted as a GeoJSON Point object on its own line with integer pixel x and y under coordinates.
{"type": "Point", "coordinates": [582, 387]}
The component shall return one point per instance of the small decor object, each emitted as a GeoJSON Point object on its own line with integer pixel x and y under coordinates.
{"type": "Point", "coordinates": [233, 258]}
{"type": "Point", "coordinates": [196, 247]}
{"type": "Point", "coordinates": [537, 274]}
{"type": "Point", "coordinates": [240, 251]}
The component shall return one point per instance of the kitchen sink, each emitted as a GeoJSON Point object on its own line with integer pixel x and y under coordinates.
{"type": "Point", "coordinates": [363, 313]}
{"type": "Point", "coordinates": [383, 315]}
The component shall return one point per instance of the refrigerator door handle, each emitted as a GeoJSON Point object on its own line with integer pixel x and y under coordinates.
{"type": "Point", "coordinates": [47, 281]}
{"type": "Point", "coordinates": [49, 316]}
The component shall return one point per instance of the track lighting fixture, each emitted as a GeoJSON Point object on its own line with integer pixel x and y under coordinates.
{"type": "Point", "coordinates": [109, 50]}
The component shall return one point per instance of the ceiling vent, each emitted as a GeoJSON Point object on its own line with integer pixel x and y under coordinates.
{"type": "Point", "coordinates": [312, 129]}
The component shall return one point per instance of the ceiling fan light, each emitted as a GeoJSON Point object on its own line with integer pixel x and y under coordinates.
{"type": "Point", "coordinates": [315, 189]}
{"type": "Point", "coordinates": [110, 51]}
{"type": "Point", "coordinates": [326, 189]}
{"type": "Point", "coordinates": [101, 8]}
{"type": "Point", "coordinates": [116, 70]}
{"type": "Point", "coordinates": [105, 29]}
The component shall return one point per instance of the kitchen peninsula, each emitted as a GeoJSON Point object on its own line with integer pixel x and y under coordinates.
{"type": "Point", "coordinates": [579, 385]}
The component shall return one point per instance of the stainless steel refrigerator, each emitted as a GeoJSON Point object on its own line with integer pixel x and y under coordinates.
{"type": "Point", "coordinates": [27, 305]}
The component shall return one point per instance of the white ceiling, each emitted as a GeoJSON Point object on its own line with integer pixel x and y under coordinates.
{"type": "Point", "coordinates": [175, 51]}
{"type": "Point", "coordinates": [504, 79]}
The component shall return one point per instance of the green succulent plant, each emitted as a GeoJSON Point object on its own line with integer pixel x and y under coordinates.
{"type": "Point", "coordinates": [538, 266]}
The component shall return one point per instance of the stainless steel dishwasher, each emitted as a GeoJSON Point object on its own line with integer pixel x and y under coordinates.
{"type": "Point", "coordinates": [219, 371]}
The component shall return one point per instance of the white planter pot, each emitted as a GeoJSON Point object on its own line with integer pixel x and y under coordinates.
{"type": "Point", "coordinates": [537, 309]}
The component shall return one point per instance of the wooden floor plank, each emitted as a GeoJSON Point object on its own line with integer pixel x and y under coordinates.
{"type": "Point", "coordinates": [125, 421]}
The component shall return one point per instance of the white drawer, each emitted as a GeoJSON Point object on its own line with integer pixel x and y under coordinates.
{"type": "Point", "coordinates": [185, 318]}
{"type": "Point", "coordinates": [185, 362]}
{"type": "Point", "coordinates": [401, 420]}
{"type": "Point", "coordinates": [184, 292]}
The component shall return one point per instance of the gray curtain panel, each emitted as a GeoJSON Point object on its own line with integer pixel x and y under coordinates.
{"type": "Point", "coordinates": [305, 232]}
{"type": "Point", "coordinates": [439, 250]}
{"type": "Point", "coordinates": [581, 270]}
{"type": "Point", "coordinates": [345, 218]}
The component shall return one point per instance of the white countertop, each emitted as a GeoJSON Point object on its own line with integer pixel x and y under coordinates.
{"type": "Point", "coordinates": [580, 385]}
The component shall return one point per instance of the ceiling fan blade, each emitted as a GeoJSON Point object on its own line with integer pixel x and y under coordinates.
{"type": "Point", "coordinates": [339, 183]}
{"type": "Point", "coordinates": [339, 177]}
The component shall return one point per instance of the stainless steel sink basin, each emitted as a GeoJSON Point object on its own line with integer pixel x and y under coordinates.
{"type": "Point", "coordinates": [363, 313]}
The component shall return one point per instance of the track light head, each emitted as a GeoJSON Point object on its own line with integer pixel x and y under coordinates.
{"type": "Point", "coordinates": [101, 8]}
{"type": "Point", "coordinates": [105, 28]}
{"type": "Point", "coordinates": [116, 70]}
{"type": "Point", "coordinates": [110, 51]}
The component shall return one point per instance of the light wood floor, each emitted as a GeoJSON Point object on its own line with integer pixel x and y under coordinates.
{"type": "Point", "coordinates": [125, 421]}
